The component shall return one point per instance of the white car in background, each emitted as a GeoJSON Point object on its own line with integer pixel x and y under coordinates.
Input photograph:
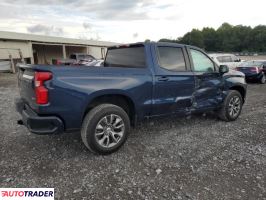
{"type": "Point", "coordinates": [92, 63]}
{"type": "Point", "coordinates": [226, 59]}
{"type": "Point", "coordinates": [96, 63]}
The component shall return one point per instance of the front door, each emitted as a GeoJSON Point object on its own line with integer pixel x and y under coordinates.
{"type": "Point", "coordinates": [208, 90]}
{"type": "Point", "coordinates": [174, 81]}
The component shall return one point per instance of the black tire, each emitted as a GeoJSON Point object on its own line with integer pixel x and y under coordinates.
{"type": "Point", "coordinates": [96, 116]}
{"type": "Point", "coordinates": [263, 79]}
{"type": "Point", "coordinates": [224, 113]}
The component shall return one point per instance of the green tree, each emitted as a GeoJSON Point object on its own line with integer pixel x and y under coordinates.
{"type": "Point", "coordinates": [242, 38]}
{"type": "Point", "coordinates": [210, 39]}
{"type": "Point", "coordinates": [166, 40]}
{"type": "Point", "coordinates": [226, 38]}
{"type": "Point", "coordinates": [194, 37]}
{"type": "Point", "coordinates": [258, 39]}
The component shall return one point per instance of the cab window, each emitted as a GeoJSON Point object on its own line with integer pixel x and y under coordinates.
{"type": "Point", "coordinates": [126, 57]}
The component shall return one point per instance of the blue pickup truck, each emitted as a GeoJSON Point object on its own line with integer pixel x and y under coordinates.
{"type": "Point", "coordinates": [137, 81]}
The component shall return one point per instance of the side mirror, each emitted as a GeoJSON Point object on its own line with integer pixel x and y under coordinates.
{"type": "Point", "coordinates": [237, 60]}
{"type": "Point", "coordinates": [223, 69]}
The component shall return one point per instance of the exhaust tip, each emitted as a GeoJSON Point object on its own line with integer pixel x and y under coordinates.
{"type": "Point", "coordinates": [20, 122]}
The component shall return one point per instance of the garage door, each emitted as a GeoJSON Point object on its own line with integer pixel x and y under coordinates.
{"type": "Point", "coordinates": [5, 66]}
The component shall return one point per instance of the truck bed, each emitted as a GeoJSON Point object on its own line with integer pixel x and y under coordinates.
{"type": "Point", "coordinates": [73, 87]}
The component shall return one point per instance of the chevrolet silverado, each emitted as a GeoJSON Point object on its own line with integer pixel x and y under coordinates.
{"type": "Point", "coordinates": [136, 81]}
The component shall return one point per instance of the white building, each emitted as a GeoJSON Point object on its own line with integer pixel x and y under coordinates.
{"type": "Point", "coordinates": [37, 49]}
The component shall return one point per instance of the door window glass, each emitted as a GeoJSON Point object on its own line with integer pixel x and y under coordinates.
{"type": "Point", "coordinates": [171, 58]}
{"type": "Point", "coordinates": [201, 62]}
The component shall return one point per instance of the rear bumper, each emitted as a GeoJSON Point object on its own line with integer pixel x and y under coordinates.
{"type": "Point", "coordinates": [254, 76]}
{"type": "Point", "coordinates": [42, 125]}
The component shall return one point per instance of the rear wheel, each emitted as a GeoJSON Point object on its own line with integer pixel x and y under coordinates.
{"type": "Point", "coordinates": [231, 107]}
{"type": "Point", "coordinates": [263, 79]}
{"type": "Point", "coordinates": [105, 129]}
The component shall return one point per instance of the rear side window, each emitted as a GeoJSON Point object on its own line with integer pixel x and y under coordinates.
{"type": "Point", "coordinates": [171, 58]}
{"type": "Point", "coordinates": [128, 57]}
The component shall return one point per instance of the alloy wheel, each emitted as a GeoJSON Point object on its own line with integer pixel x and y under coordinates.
{"type": "Point", "coordinates": [234, 106]}
{"type": "Point", "coordinates": [109, 131]}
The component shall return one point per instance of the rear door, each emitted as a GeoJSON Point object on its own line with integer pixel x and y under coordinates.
{"type": "Point", "coordinates": [208, 90]}
{"type": "Point", "coordinates": [173, 81]}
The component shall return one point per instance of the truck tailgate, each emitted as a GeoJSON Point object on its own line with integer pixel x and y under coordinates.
{"type": "Point", "coordinates": [26, 85]}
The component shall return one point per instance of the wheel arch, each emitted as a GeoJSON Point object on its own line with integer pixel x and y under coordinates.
{"type": "Point", "coordinates": [121, 100]}
{"type": "Point", "coordinates": [241, 90]}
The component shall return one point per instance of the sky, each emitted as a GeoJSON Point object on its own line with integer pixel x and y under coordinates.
{"type": "Point", "coordinates": [126, 21]}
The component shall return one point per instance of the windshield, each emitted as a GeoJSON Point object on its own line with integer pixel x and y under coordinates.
{"type": "Point", "coordinates": [251, 64]}
{"type": "Point", "coordinates": [85, 57]}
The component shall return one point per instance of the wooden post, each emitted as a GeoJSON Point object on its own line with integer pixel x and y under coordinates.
{"type": "Point", "coordinates": [64, 51]}
{"type": "Point", "coordinates": [31, 53]}
{"type": "Point", "coordinates": [21, 56]}
{"type": "Point", "coordinates": [32, 60]}
{"type": "Point", "coordinates": [12, 64]}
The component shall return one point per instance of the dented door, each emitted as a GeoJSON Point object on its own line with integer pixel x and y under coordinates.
{"type": "Point", "coordinates": [208, 81]}
{"type": "Point", "coordinates": [174, 82]}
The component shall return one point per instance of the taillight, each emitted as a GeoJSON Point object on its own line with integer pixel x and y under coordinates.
{"type": "Point", "coordinates": [41, 91]}
{"type": "Point", "coordinates": [58, 62]}
{"type": "Point", "coordinates": [254, 69]}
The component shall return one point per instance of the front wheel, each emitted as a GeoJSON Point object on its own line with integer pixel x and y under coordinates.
{"type": "Point", "coordinates": [231, 107]}
{"type": "Point", "coordinates": [105, 129]}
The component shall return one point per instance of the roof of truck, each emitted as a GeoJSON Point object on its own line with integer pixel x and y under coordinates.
{"type": "Point", "coordinates": [143, 43]}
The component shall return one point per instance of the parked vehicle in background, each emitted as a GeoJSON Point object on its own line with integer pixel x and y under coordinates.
{"type": "Point", "coordinates": [96, 63]}
{"type": "Point", "coordinates": [137, 81]}
{"type": "Point", "coordinates": [226, 59]}
{"type": "Point", "coordinates": [254, 70]}
{"type": "Point", "coordinates": [74, 59]}
{"type": "Point", "coordinates": [93, 63]}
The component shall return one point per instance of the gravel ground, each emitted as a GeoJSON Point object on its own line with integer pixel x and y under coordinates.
{"type": "Point", "coordinates": [178, 158]}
